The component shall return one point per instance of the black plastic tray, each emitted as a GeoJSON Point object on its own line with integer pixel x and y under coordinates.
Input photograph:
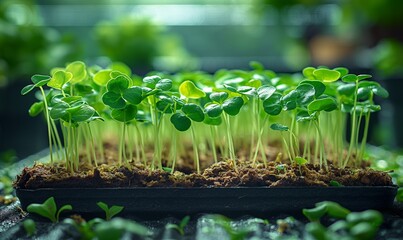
{"type": "Point", "coordinates": [240, 200]}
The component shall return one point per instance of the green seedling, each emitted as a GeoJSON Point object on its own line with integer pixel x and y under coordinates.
{"type": "Point", "coordinates": [227, 114]}
{"type": "Point", "coordinates": [115, 228]}
{"type": "Point", "coordinates": [179, 227]}
{"type": "Point", "coordinates": [30, 227]}
{"type": "Point", "coordinates": [331, 209]}
{"type": "Point", "coordinates": [109, 212]}
{"type": "Point", "coordinates": [85, 228]}
{"type": "Point", "coordinates": [48, 209]}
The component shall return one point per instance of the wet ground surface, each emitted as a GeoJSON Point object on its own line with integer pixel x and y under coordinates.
{"type": "Point", "coordinates": [203, 227]}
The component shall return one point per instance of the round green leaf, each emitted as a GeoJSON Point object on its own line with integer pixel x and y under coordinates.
{"type": "Point", "coordinates": [318, 85]}
{"type": "Point", "coordinates": [102, 77]}
{"type": "Point", "coordinates": [380, 91]}
{"type": "Point", "coordinates": [27, 89]}
{"type": "Point", "coordinates": [133, 95]}
{"type": "Point", "coordinates": [36, 108]}
{"type": "Point", "coordinates": [233, 105]}
{"type": "Point", "coordinates": [189, 90]}
{"type": "Point", "coordinates": [306, 93]}
{"type": "Point", "coordinates": [180, 121]}
{"type": "Point", "coordinates": [346, 89]}
{"type": "Point", "coordinates": [213, 110]}
{"type": "Point", "coordinates": [59, 111]}
{"type": "Point", "coordinates": [247, 90]}
{"type": "Point", "coordinates": [326, 75]}
{"type": "Point", "coordinates": [218, 96]}
{"type": "Point", "coordinates": [363, 93]}
{"type": "Point", "coordinates": [165, 105]}
{"type": "Point", "coordinates": [118, 84]}
{"type": "Point", "coordinates": [151, 81]}
{"type": "Point", "coordinates": [164, 84]}
{"type": "Point", "coordinates": [113, 100]}
{"type": "Point", "coordinates": [83, 113]}
{"type": "Point", "coordinates": [350, 78]}
{"type": "Point", "coordinates": [40, 80]}
{"type": "Point", "coordinates": [265, 92]}
{"type": "Point", "coordinates": [213, 121]}
{"type": "Point", "coordinates": [308, 72]}
{"type": "Point", "coordinates": [125, 114]}
{"type": "Point", "coordinates": [78, 69]}
{"type": "Point", "coordinates": [59, 79]}
{"type": "Point", "coordinates": [324, 104]}
{"type": "Point", "coordinates": [194, 112]}
{"type": "Point", "coordinates": [272, 105]}
{"type": "Point", "coordinates": [279, 127]}
{"type": "Point", "coordinates": [303, 116]}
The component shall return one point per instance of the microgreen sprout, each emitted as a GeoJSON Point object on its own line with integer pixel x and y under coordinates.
{"type": "Point", "coordinates": [227, 115]}
{"type": "Point", "coordinates": [109, 211]}
{"type": "Point", "coordinates": [179, 227]}
{"type": "Point", "coordinates": [48, 209]}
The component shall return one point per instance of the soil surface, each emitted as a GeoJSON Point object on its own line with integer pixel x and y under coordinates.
{"type": "Point", "coordinates": [220, 174]}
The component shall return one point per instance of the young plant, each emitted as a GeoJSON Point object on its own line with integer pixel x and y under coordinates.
{"type": "Point", "coordinates": [109, 212]}
{"type": "Point", "coordinates": [48, 209]}
{"type": "Point", "coordinates": [30, 227]}
{"type": "Point", "coordinates": [179, 227]}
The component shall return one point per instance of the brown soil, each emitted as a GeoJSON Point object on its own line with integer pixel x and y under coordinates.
{"type": "Point", "coordinates": [221, 174]}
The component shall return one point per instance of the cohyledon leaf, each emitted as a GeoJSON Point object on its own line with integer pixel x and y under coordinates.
{"type": "Point", "coordinates": [82, 113]}
{"type": "Point", "coordinates": [213, 121]}
{"type": "Point", "coordinates": [279, 127]}
{"type": "Point", "coordinates": [306, 93]}
{"type": "Point", "coordinates": [194, 112]}
{"type": "Point", "coordinates": [326, 75]}
{"type": "Point", "coordinates": [36, 109]}
{"type": "Point", "coordinates": [219, 97]}
{"type": "Point", "coordinates": [165, 105]}
{"type": "Point", "coordinates": [375, 87]}
{"type": "Point", "coordinates": [303, 115]}
{"type": "Point", "coordinates": [113, 100]}
{"type": "Point", "coordinates": [151, 81]}
{"type": "Point", "coordinates": [265, 92]}
{"type": "Point", "coordinates": [189, 90]}
{"type": "Point", "coordinates": [25, 90]}
{"type": "Point", "coordinates": [308, 72]}
{"type": "Point", "coordinates": [59, 79]}
{"type": "Point", "coordinates": [213, 110]}
{"type": "Point", "coordinates": [78, 69]}
{"type": "Point", "coordinates": [324, 104]}
{"type": "Point", "coordinates": [40, 80]}
{"type": "Point", "coordinates": [180, 121]}
{"type": "Point", "coordinates": [334, 209]}
{"type": "Point", "coordinates": [247, 90]}
{"type": "Point", "coordinates": [350, 78]}
{"type": "Point", "coordinates": [233, 105]}
{"type": "Point", "coordinates": [164, 84]}
{"type": "Point", "coordinates": [125, 114]}
{"type": "Point", "coordinates": [314, 214]}
{"type": "Point", "coordinates": [47, 209]}
{"type": "Point", "coordinates": [346, 89]}
{"type": "Point", "coordinates": [320, 88]}
{"type": "Point", "coordinates": [133, 95]}
{"type": "Point", "coordinates": [363, 93]}
{"type": "Point", "coordinates": [256, 83]}
{"type": "Point", "coordinates": [102, 77]}
{"type": "Point", "coordinates": [272, 105]}
{"type": "Point", "coordinates": [118, 84]}
{"type": "Point", "coordinates": [59, 111]}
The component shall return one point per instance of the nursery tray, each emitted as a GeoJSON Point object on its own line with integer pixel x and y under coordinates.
{"type": "Point", "coordinates": [234, 200]}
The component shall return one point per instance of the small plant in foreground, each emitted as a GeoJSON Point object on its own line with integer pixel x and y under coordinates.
{"type": "Point", "coordinates": [179, 227]}
{"type": "Point", "coordinates": [48, 209]}
{"type": "Point", "coordinates": [30, 227]}
{"type": "Point", "coordinates": [352, 225]}
{"type": "Point", "coordinates": [109, 212]}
